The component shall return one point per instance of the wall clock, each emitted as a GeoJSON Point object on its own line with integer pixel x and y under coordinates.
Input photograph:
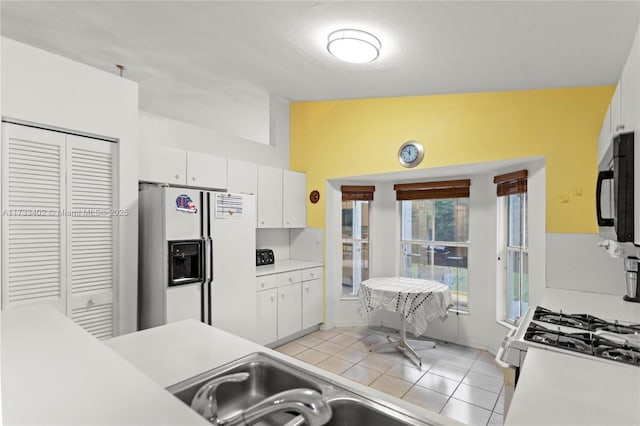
{"type": "Point", "coordinates": [314, 196]}
{"type": "Point", "coordinates": [410, 154]}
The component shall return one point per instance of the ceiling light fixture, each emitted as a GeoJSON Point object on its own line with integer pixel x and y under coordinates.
{"type": "Point", "coordinates": [353, 46]}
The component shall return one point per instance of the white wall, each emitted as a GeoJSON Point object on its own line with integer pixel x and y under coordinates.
{"type": "Point", "coordinates": [40, 87]}
{"type": "Point", "coordinates": [575, 262]}
{"type": "Point", "coordinates": [307, 244]}
{"type": "Point", "coordinates": [157, 130]}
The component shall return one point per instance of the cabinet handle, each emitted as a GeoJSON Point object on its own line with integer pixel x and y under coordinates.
{"type": "Point", "coordinates": [312, 274]}
{"type": "Point", "coordinates": [283, 296]}
{"type": "Point", "coordinates": [193, 178]}
{"type": "Point", "coordinates": [307, 289]}
{"type": "Point", "coordinates": [262, 285]}
{"type": "Point", "coordinates": [619, 127]}
{"type": "Point", "coordinates": [272, 298]}
{"type": "Point", "coordinates": [290, 279]}
{"type": "Point", "coordinates": [177, 176]}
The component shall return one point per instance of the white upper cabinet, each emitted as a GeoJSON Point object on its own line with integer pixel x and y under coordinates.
{"type": "Point", "coordinates": [615, 110]}
{"type": "Point", "coordinates": [269, 197]}
{"type": "Point", "coordinates": [242, 177]}
{"type": "Point", "coordinates": [180, 167]}
{"type": "Point", "coordinates": [206, 171]}
{"type": "Point", "coordinates": [294, 204]}
{"type": "Point", "coordinates": [162, 164]}
{"type": "Point", "coordinates": [630, 90]}
{"type": "Point", "coordinates": [623, 114]}
{"type": "Point", "coordinates": [605, 135]}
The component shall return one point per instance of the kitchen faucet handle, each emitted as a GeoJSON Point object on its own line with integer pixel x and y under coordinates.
{"type": "Point", "coordinates": [204, 402]}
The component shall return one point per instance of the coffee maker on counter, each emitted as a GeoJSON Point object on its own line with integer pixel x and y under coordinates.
{"type": "Point", "coordinates": [631, 266]}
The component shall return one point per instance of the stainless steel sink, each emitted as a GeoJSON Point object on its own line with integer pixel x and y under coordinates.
{"type": "Point", "coordinates": [265, 379]}
{"type": "Point", "coordinates": [351, 411]}
{"type": "Point", "coordinates": [268, 376]}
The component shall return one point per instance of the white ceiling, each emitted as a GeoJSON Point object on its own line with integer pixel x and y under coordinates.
{"type": "Point", "coordinates": [215, 63]}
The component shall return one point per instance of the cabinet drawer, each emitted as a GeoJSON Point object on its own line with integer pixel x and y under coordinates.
{"type": "Point", "coordinates": [312, 274]}
{"type": "Point", "coordinates": [286, 278]}
{"type": "Point", "coordinates": [266, 281]}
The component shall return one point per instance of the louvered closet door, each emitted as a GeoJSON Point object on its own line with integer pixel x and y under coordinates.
{"type": "Point", "coordinates": [92, 233]}
{"type": "Point", "coordinates": [33, 231]}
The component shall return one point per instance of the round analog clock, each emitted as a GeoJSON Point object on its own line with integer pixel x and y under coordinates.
{"type": "Point", "coordinates": [410, 154]}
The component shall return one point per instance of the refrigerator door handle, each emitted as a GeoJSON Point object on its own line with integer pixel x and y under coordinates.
{"type": "Point", "coordinates": [203, 274]}
{"type": "Point", "coordinates": [209, 280]}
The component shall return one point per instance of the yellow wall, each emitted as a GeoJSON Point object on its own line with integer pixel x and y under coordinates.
{"type": "Point", "coordinates": [332, 139]}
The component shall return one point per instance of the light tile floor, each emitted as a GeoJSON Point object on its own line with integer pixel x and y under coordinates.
{"type": "Point", "coordinates": [455, 381]}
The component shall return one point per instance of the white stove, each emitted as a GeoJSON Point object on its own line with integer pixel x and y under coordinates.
{"type": "Point", "coordinates": [579, 334]}
{"type": "Point", "coordinates": [600, 327]}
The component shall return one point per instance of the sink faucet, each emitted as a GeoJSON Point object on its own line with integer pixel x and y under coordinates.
{"type": "Point", "coordinates": [204, 402]}
{"type": "Point", "coordinates": [307, 403]}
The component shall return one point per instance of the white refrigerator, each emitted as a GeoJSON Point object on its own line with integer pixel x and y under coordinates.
{"type": "Point", "coordinates": [197, 258]}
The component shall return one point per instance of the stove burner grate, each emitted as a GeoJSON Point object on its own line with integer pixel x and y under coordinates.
{"type": "Point", "coordinates": [583, 322]}
{"type": "Point", "coordinates": [585, 343]}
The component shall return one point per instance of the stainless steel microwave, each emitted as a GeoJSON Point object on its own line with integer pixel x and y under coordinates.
{"type": "Point", "coordinates": [614, 190]}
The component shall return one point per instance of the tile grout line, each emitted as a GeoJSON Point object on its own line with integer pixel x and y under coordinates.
{"type": "Point", "coordinates": [415, 383]}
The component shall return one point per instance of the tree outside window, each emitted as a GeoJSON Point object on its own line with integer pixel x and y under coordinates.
{"type": "Point", "coordinates": [435, 243]}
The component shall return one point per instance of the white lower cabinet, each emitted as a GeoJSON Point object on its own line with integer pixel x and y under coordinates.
{"type": "Point", "coordinates": [312, 312]}
{"type": "Point", "coordinates": [289, 310]}
{"type": "Point", "coordinates": [287, 303]}
{"type": "Point", "coordinates": [267, 308]}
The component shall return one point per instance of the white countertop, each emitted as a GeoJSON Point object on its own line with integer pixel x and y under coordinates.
{"type": "Point", "coordinates": [55, 373]}
{"type": "Point", "coordinates": [556, 389]}
{"type": "Point", "coordinates": [175, 352]}
{"type": "Point", "coordinates": [286, 265]}
{"type": "Point", "coordinates": [604, 306]}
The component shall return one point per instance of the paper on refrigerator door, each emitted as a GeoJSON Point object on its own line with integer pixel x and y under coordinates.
{"type": "Point", "coordinates": [229, 206]}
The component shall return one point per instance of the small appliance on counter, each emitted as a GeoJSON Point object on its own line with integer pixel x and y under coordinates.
{"type": "Point", "coordinates": [631, 267]}
{"type": "Point", "coordinates": [264, 257]}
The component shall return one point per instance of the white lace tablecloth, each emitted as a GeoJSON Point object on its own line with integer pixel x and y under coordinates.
{"type": "Point", "coordinates": [419, 301]}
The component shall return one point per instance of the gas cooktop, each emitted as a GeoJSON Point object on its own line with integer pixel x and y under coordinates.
{"type": "Point", "coordinates": [587, 335]}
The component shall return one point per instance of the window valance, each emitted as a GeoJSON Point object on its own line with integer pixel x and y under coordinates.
{"type": "Point", "coordinates": [433, 190]}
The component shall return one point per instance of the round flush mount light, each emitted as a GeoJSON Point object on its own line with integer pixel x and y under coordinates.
{"type": "Point", "coordinates": [353, 46]}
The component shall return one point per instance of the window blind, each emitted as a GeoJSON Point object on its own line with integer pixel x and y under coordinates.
{"type": "Point", "coordinates": [511, 183]}
{"type": "Point", "coordinates": [357, 193]}
{"type": "Point", "coordinates": [433, 190]}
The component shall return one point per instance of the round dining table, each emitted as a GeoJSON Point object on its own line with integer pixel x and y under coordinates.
{"type": "Point", "coordinates": [416, 301]}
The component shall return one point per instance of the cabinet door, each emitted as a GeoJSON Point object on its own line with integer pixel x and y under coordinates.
{"type": "Point", "coordinates": [92, 240]}
{"type": "Point", "coordinates": [163, 165]}
{"type": "Point", "coordinates": [630, 89]}
{"type": "Point", "coordinates": [605, 135]}
{"type": "Point", "coordinates": [206, 171]}
{"type": "Point", "coordinates": [267, 315]}
{"type": "Point", "coordinates": [269, 197]}
{"type": "Point", "coordinates": [242, 177]}
{"type": "Point", "coordinates": [616, 111]}
{"type": "Point", "coordinates": [33, 245]}
{"type": "Point", "coordinates": [294, 200]}
{"type": "Point", "coordinates": [289, 310]}
{"type": "Point", "coordinates": [312, 306]}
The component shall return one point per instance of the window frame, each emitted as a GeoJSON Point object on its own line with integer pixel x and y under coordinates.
{"type": "Point", "coordinates": [510, 185]}
{"type": "Point", "coordinates": [401, 242]}
{"type": "Point", "coordinates": [356, 195]}
{"type": "Point", "coordinates": [522, 252]}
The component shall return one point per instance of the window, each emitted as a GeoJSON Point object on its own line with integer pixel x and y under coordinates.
{"type": "Point", "coordinates": [512, 193]}
{"type": "Point", "coordinates": [355, 237]}
{"type": "Point", "coordinates": [434, 234]}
